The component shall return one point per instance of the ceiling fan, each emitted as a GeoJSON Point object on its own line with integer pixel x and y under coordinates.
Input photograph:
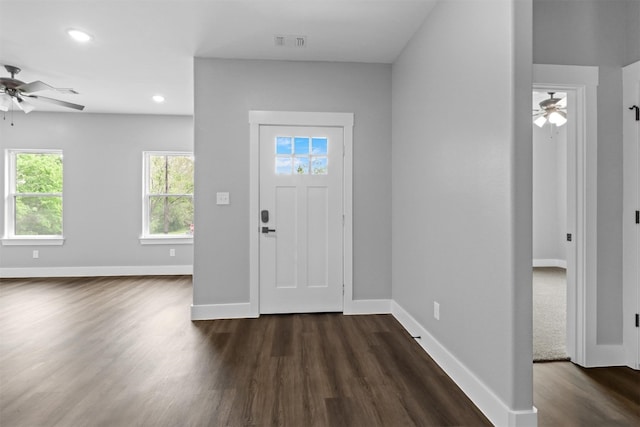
{"type": "Point", "coordinates": [553, 110]}
{"type": "Point", "coordinates": [14, 91]}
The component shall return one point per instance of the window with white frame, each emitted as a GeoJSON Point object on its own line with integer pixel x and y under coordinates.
{"type": "Point", "coordinates": [33, 199]}
{"type": "Point", "coordinates": [168, 196]}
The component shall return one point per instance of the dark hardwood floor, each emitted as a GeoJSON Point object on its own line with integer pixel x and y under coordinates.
{"type": "Point", "coordinates": [568, 395]}
{"type": "Point", "coordinates": [123, 352]}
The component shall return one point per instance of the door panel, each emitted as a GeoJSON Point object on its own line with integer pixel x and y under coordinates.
{"type": "Point", "coordinates": [317, 232]}
{"type": "Point", "coordinates": [285, 243]}
{"type": "Point", "coordinates": [301, 185]}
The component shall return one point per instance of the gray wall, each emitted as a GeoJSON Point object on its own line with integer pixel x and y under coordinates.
{"type": "Point", "coordinates": [633, 32]}
{"type": "Point", "coordinates": [102, 185]}
{"type": "Point", "coordinates": [225, 92]}
{"type": "Point", "coordinates": [462, 188]}
{"type": "Point", "coordinates": [594, 32]}
{"type": "Point", "coordinates": [549, 192]}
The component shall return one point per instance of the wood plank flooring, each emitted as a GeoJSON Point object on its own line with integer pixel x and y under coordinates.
{"type": "Point", "coordinates": [568, 395]}
{"type": "Point", "coordinates": [123, 352]}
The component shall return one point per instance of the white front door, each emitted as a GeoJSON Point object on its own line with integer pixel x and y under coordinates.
{"type": "Point", "coordinates": [301, 219]}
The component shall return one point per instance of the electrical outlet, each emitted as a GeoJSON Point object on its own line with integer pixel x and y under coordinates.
{"type": "Point", "coordinates": [172, 252]}
{"type": "Point", "coordinates": [36, 253]}
{"type": "Point", "coordinates": [222, 198]}
{"type": "Point", "coordinates": [436, 310]}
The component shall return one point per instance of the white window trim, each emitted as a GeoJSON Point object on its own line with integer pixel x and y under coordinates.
{"type": "Point", "coordinates": [33, 241]}
{"type": "Point", "coordinates": [158, 239]}
{"type": "Point", "coordinates": [165, 240]}
{"type": "Point", "coordinates": [9, 238]}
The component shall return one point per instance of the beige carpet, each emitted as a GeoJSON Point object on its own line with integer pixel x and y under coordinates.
{"type": "Point", "coordinates": [549, 314]}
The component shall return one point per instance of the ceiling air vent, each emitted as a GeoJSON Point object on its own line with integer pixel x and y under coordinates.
{"type": "Point", "coordinates": [290, 41]}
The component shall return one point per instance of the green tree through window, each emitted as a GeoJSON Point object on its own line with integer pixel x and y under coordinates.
{"type": "Point", "coordinates": [37, 193]}
{"type": "Point", "coordinates": [169, 194]}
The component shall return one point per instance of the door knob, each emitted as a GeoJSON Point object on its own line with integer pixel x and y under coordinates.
{"type": "Point", "coordinates": [266, 230]}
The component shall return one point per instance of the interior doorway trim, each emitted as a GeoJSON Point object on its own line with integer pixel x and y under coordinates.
{"type": "Point", "coordinates": [295, 118]}
{"type": "Point", "coordinates": [631, 203]}
{"type": "Point", "coordinates": [582, 83]}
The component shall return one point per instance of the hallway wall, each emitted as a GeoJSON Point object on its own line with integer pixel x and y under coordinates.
{"type": "Point", "coordinates": [462, 190]}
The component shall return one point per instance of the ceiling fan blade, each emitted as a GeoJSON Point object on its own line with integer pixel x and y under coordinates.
{"type": "Point", "coordinates": [5, 102]}
{"type": "Point", "coordinates": [37, 86]}
{"type": "Point", "coordinates": [23, 105]}
{"type": "Point", "coordinates": [58, 102]}
{"type": "Point", "coordinates": [562, 103]}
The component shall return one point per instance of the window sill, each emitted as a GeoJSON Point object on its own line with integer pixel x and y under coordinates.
{"type": "Point", "coordinates": [166, 240]}
{"type": "Point", "coordinates": [33, 241]}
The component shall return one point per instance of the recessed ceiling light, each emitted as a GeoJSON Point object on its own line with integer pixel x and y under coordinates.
{"type": "Point", "coordinates": [79, 36]}
{"type": "Point", "coordinates": [158, 98]}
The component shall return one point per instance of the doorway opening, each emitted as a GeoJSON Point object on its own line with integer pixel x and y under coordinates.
{"type": "Point", "coordinates": [580, 83]}
{"type": "Point", "coordinates": [550, 235]}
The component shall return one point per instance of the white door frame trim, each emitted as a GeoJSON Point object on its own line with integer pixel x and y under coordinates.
{"type": "Point", "coordinates": [295, 118]}
{"type": "Point", "coordinates": [631, 246]}
{"type": "Point", "coordinates": [581, 300]}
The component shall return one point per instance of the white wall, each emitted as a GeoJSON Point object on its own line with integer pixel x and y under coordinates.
{"type": "Point", "coordinates": [462, 188]}
{"type": "Point", "coordinates": [597, 33]}
{"type": "Point", "coordinates": [102, 188]}
{"type": "Point", "coordinates": [226, 90]}
{"type": "Point", "coordinates": [549, 193]}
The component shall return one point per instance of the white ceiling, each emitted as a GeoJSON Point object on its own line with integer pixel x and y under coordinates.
{"type": "Point", "coordinates": [144, 47]}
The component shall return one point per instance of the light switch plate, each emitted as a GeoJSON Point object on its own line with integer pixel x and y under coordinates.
{"type": "Point", "coordinates": [222, 198]}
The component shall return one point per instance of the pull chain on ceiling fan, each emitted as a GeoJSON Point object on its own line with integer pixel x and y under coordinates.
{"type": "Point", "coordinates": [552, 110]}
{"type": "Point", "coordinates": [16, 92]}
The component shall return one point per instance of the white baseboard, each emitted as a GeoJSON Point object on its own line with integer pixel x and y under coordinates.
{"type": "Point", "coordinates": [243, 310]}
{"type": "Point", "coordinates": [605, 355]}
{"type": "Point", "coordinates": [483, 397]}
{"type": "Point", "coordinates": [561, 263]}
{"type": "Point", "coordinates": [222, 311]}
{"type": "Point", "coordinates": [136, 270]}
{"type": "Point", "coordinates": [368, 306]}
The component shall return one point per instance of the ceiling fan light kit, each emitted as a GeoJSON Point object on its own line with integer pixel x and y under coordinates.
{"type": "Point", "coordinates": [552, 110]}
{"type": "Point", "coordinates": [558, 118]}
{"type": "Point", "coordinates": [5, 103]}
{"type": "Point", "coordinates": [16, 92]}
{"type": "Point", "coordinates": [540, 121]}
